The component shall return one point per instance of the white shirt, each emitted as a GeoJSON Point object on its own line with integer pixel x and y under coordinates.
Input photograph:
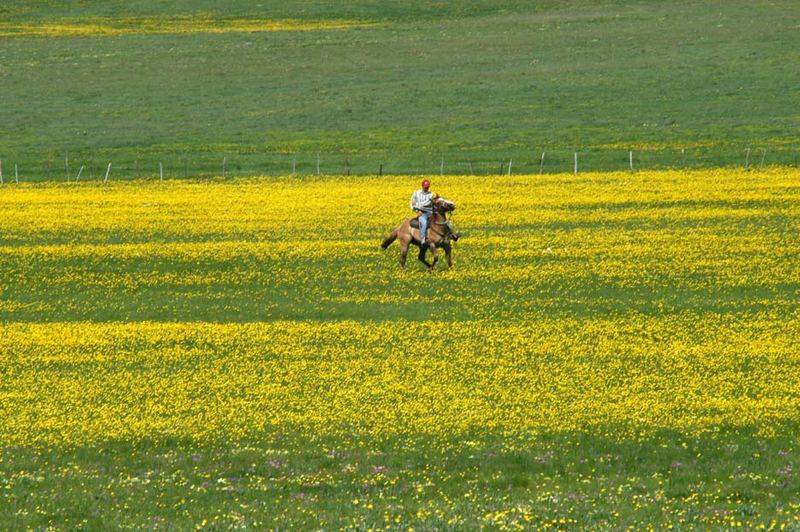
{"type": "Point", "coordinates": [422, 200]}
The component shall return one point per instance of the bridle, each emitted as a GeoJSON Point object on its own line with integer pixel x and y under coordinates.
{"type": "Point", "coordinates": [438, 208]}
{"type": "Point", "coordinates": [448, 206]}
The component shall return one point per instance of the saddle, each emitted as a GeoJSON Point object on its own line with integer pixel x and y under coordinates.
{"type": "Point", "coordinates": [415, 222]}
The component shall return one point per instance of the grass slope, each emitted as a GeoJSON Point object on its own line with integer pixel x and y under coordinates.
{"type": "Point", "coordinates": [470, 83]}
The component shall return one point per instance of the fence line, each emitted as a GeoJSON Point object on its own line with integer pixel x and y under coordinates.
{"type": "Point", "coordinates": [208, 164]}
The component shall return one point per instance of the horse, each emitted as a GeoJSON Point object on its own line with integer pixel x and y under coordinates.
{"type": "Point", "coordinates": [439, 235]}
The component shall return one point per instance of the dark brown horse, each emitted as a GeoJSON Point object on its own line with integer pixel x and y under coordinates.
{"type": "Point", "coordinates": [439, 234]}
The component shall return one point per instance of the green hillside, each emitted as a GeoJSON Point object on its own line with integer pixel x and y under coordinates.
{"type": "Point", "coordinates": [416, 87]}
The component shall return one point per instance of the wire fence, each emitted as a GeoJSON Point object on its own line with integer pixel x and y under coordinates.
{"type": "Point", "coordinates": [105, 166]}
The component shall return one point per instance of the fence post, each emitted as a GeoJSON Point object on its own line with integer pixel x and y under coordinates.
{"type": "Point", "coordinates": [317, 163]}
{"type": "Point", "coordinates": [576, 162]}
{"type": "Point", "coordinates": [160, 171]}
{"type": "Point", "coordinates": [509, 166]}
{"type": "Point", "coordinates": [224, 160]}
{"type": "Point", "coordinates": [16, 173]}
{"type": "Point", "coordinates": [761, 165]}
{"type": "Point", "coordinates": [541, 164]}
{"type": "Point", "coordinates": [747, 160]}
{"type": "Point", "coordinates": [630, 157]}
{"type": "Point", "coordinates": [1, 171]}
{"type": "Point", "coordinates": [108, 171]}
{"type": "Point", "coordinates": [79, 174]}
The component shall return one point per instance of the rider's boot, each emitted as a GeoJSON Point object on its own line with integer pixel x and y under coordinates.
{"type": "Point", "coordinates": [455, 236]}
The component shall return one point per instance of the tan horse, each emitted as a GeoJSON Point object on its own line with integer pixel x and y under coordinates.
{"type": "Point", "coordinates": [439, 235]}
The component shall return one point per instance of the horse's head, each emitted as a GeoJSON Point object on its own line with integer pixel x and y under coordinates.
{"type": "Point", "coordinates": [442, 205]}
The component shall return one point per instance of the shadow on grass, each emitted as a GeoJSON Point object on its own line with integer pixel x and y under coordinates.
{"type": "Point", "coordinates": [304, 480]}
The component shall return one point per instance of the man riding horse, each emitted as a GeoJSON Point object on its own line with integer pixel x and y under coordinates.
{"type": "Point", "coordinates": [431, 229]}
{"type": "Point", "coordinates": [422, 203]}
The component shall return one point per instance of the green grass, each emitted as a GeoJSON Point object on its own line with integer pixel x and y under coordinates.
{"type": "Point", "coordinates": [285, 482]}
{"type": "Point", "coordinates": [471, 84]}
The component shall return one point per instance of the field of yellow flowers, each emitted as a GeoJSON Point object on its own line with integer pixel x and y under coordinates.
{"type": "Point", "coordinates": [609, 350]}
{"type": "Point", "coordinates": [122, 26]}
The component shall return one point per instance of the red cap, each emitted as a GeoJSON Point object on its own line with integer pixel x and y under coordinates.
{"type": "Point", "coordinates": [426, 183]}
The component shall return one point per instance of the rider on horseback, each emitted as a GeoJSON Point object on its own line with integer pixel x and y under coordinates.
{"type": "Point", "coordinates": [432, 210]}
{"type": "Point", "coordinates": [422, 203]}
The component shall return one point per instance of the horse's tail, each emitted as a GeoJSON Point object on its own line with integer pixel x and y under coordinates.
{"type": "Point", "coordinates": [391, 238]}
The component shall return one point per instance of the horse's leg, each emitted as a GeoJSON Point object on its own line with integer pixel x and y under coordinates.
{"type": "Point", "coordinates": [448, 253]}
{"type": "Point", "coordinates": [432, 247]}
{"type": "Point", "coordinates": [403, 251]}
{"type": "Point", "coordinates": [423, 250]}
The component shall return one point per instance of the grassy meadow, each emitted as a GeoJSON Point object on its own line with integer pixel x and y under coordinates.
{"type": "Point", "coordinates": [413, 86]}
{"type": "Point", "coordinates": [229, 347]}
{"type": "Point", "coordinates": [610, 350]}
